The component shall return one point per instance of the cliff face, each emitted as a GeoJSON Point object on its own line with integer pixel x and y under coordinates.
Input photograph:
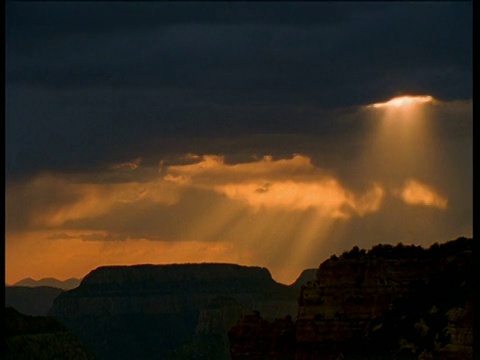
{"type": "Point", "coordinates": [348, 293]}
{"type": "Point", "coordinates": [400, 302]}
{"type": "Point", "coordinates": [148, 311]}
{"type": "Point", "coordinates": [369, 305]}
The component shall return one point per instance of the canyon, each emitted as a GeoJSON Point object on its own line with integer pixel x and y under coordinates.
{"type": "Point", "coordinates": [157, 311]}
{"type": "Point", "coordinates": [392, 302]}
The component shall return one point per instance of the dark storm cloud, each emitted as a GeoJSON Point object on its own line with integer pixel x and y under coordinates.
{"type": "Point", "coordinates": [92, 83]}
{"type": "Point", "coordinates": [292, 50]}
{"type": "Point", "coordinates": [97, 17]}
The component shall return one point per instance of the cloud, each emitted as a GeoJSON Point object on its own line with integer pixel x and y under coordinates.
{"type": "Point", "coordinates": [91, 236]}
{"type": "Point", "coordinates": [147, 206]}
{"type": "Point", "coordinates": [51, 200]}
{"type": "Point", "coordinates": [291, 184]}
{"type": "Point", "coordinates": [257, 56]}
{"type": "Point", "coordinates": [131, 165]}
{"type": "Point", "coordinates": [417, 193]}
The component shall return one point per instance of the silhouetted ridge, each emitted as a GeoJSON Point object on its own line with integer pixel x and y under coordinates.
{"type": "Point", "coordinates": [306, 276]}
{"type": "Point", "coordinates": [173, 278]}
{"type": "Point", "coordinates": [51, 282]}
{"type": "Point", "coordinates": [401, 251]}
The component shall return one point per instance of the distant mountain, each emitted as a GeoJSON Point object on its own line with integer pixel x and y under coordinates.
{"type": "Point", "coordinates": [68, 284]}
{"type": "Point", "coordinates": [306, 276]}
{"type": "Point", "coordinates": [31, 300]}
{"type": "Point", "coordinates": [40, 338]}
{"type": "Point", "coordinates": [160, 311]}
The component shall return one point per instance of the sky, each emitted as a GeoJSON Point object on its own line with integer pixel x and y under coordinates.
{"type": "Point", "coordinates": [257, 133]}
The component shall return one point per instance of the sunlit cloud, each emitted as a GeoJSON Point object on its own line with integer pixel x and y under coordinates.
{"type": "Point", "coordinates": [327, 196]}
{"type": "Point", "coordinates": [416, 193]}
{"type": "Point", "coordinates": [293, 184]}
{"type": "Point", "coordinates": [52, 200]}
{"type": "Point", "coordinates": [214, 168]}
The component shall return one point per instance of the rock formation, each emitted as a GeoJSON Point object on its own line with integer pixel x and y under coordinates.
{"type": "Point", "coordinates": [401, 302]}
{"type": "Point", "coordinates": [149, 311]}
{"type": "Point", "coordinates": [391, 301]}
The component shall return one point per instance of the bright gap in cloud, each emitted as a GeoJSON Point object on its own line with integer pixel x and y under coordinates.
{"type": "Point", "coordinates": [404, 101]}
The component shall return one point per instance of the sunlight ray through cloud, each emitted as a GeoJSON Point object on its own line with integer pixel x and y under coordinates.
{"type": "Point", "coordinates": [268, 134]}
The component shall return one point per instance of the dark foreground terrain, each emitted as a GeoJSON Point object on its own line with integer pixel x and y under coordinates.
{"type": "Point", "coordinates": [169, 311]}
{"type": "Point", "coordinates": [40, 338]}
{"type": "Point", "coordinates": [390, 302]}
{"type": "Point", "coordinates": [31, 300]}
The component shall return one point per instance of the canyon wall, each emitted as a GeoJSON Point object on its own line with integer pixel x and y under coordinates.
{"type": "Point", "coordinates": [401, 302]}
{"type": "Point", "coordinates": [390, 301]}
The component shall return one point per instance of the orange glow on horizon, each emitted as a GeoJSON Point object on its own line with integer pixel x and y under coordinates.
{"type": "Point", "coordinates": [34, 255]}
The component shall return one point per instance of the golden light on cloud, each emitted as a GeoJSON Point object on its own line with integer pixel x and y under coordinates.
{"type": "Point", "coordinates": [292, 184]}
{"type": "Point", "coordinates": [327, 196]}
{"type": "Point", "coordinates": [416, 193]}
{"type": "Point", "coordinates": [404, 101]}
{"type": "Point", "coordinates": [52, 200]}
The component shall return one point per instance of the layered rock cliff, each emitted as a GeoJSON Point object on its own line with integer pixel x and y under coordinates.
{"type": "Point", "coordinates": [390, 301]}
{"type": "Point", "coordinates": [401, 302]}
